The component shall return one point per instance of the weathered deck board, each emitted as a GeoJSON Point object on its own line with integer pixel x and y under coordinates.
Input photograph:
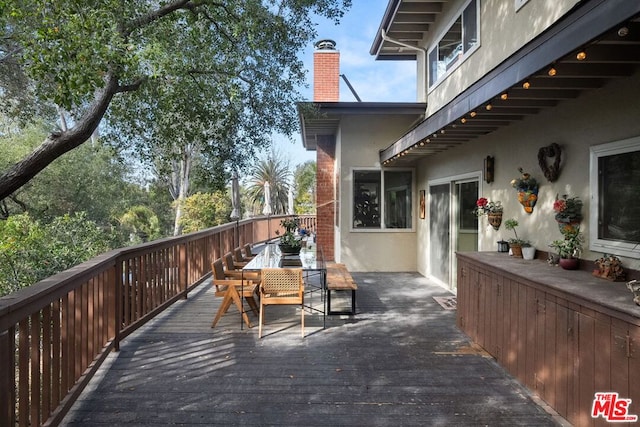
{"type": "Point", "coordinates": [395, 363]}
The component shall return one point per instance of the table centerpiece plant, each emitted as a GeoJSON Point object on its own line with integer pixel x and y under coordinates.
{"type": "Point", "coordinates": [493, 211]}
{"type": "Point", "coordinates": [289, 243]}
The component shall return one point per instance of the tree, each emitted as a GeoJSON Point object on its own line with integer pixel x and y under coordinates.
{"type": "Point", "coordinates": [90, 179]}
{"type": "Point", "coordinates": [204, 210]}
{"type": "Point", "coordinates": [304, 178]}
{"type": "Point", "coordinates": [274, 169]}
{"type": "Point", "coordinates": [82, 56]}
{"type": "Point", "coordinates": [142, 223]}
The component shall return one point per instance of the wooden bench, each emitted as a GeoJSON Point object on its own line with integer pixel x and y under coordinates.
{"type": "Point", "coordinates": [339, 279]}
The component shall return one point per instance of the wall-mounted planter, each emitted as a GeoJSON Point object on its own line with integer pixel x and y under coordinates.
{"type": "Point", "coordinates": [528, 199]}
{"type": "Point", "coordinates": [495, 219]}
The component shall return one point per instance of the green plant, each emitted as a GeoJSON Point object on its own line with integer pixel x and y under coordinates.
{"type": "Point", "coordinates": [525, 183]}
{"type": "Point", "coordinates": [289, 238]}
{"type": "Point", "coordinates": [485, 207]}
{"type": "Point", "coordinates": [568, 209]}
{"type": "Point", "coordinates": [570, 246]}
{"type": "Point", "coordinates": [511, 224]}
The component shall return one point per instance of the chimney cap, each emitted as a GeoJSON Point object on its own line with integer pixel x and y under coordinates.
{"type": "Point", "coordinates": [325, 44]}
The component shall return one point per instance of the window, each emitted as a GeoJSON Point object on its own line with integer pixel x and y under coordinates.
{"type": "Point", "coordinates": [460, 39]}
{"type": "Point", "coordinates": [615, 210]}
{"type": "Point", "coordinates": [378, 195]}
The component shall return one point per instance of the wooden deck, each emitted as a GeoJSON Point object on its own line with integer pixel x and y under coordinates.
{"type": "Point", "coordinates": [400, 361]}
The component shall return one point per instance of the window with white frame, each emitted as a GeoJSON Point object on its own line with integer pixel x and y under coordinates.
{"type": "Point", "coordinates": [382, 199]}
{"type": "Point", "coordinates": [615, 208]}
{"type": "Point", "coordinates": [461, 38]}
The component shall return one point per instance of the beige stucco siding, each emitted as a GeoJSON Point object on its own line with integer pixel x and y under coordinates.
{"type": "Point", "coordinates": [360, 140]}
{"type": "Point", "coordinates": [600, 116]}
{"type": "Point", "coordinates": [502, 32]}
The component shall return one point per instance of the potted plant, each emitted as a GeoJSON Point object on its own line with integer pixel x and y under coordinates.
{"type": "Point", "coordinates": [527, 188]}
{"type": "Point", "coordinates": [289, 243]}
{"type": "Point", "coordinates": [517, 243]}
{"type": "Point", "coordinates": [569, 249]}
{"type": "Point", "coordinates": [493, 210]}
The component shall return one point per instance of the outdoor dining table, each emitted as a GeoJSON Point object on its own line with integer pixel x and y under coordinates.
{"type": "Point", "coordinates": [310, 259]}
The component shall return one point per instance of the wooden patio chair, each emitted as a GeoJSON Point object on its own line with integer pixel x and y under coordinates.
{"type": "Point", "coordinates": [231, 263]}
{"type": "Point", "coordinates": [239, 258]}
{"type": "Point", "coordinates": [232, 290]}
{"type": "Point", "coordinates": [248, 252]}
{"type": "Point", "coordinates": [281, 286]}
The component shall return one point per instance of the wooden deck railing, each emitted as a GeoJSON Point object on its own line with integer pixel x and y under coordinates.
{"type": "Point", "coordinates": [56, 333]}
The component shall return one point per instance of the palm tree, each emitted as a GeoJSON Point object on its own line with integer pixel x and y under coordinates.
{"type": "Point", "coordinates": [274, 169]}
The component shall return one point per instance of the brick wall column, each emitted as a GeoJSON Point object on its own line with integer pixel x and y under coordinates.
{"type": "Point", "coordinates": [326, 196]}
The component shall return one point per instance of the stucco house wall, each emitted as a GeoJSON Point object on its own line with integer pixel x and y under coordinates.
{"type": "Point", "coordinates": [503, 31]}
{"type": "Point", "coordinates": [599, 116]}
{"type": "Point", "coordinates": [358, 143]}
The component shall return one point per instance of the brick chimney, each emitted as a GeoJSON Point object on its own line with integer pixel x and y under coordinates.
{"type": "Point", "coordinates": [326, 72]}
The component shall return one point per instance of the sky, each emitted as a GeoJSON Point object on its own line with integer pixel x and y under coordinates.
{"type": "Point", "coordinates": [373, 81]}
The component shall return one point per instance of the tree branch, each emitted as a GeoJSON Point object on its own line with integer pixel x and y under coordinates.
{"type": "Point", "coordinates": [59, 143]}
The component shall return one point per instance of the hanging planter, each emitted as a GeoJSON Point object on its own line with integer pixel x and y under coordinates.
{"type": "Point", "coordinates": [528, 199]}
{"type": "Point", "coordinates": [568, 214]}
{"type": "Point", "coordinates": [493, 210]}
{"type": "Point", "coordinates": [527, 188]}
{"type": "Point", "coordinates": [495, 219]}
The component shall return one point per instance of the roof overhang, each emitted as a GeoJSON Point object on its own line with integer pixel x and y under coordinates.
{"type": "Point", "coordinates": [593, 26]}
{"type": "Point", "coordinates": [406, 23]}
{"type": "Point", "coordinates": [322, 119]}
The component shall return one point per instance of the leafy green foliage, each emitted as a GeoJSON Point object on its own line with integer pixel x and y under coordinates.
{"type": "Point", "coordinates": [204, 210]}
{"type": "Point", "coordinates": [217, 75]}
{"type": "Point", "coordinates": [142, 224]}
{"type": "Point", "coordinates": [31, 250]}
{"type": "Point", "coordinates": [304, 178]}
{"type": "Point", "coordinates": [90, 179]}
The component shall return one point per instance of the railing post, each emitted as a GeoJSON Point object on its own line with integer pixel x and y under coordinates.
{"type": "Point", "coordinates": [116, 313]}
{"type": "Point", "coordinates": [7, 379]}
{"type": "Point", "coordinates": [184, 271]}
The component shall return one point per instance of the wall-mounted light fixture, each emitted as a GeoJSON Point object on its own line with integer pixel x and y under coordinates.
{"type": "Point", "coordinates": [488, 169]}
{"type": "Point", "coordinates": [504, 96]}
{"type": "Point", "coordinates": [552, 71]}
{"type": "Point", "coordinates": [581, 56]}
{"type": "Point", "coordinates": [489, 107]}
{"type": "Point", "coordinates": [526, 85]}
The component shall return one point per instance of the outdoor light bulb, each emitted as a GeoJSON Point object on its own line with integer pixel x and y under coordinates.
{"type": "Point", "coordinates": [473, 114]}
{"type": "Point", "coordinates": [504, 96]}
{"type": "Point", "coordinates": [552, 72]}
{"type": "Point", "coordinates": [463, 120]}
{"type": "Point", "coordinates": [526, 85]}
{"type": "Point", "coordinates": [489, 107]}
{"type": "Point", "coordinates": [581, 56]}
